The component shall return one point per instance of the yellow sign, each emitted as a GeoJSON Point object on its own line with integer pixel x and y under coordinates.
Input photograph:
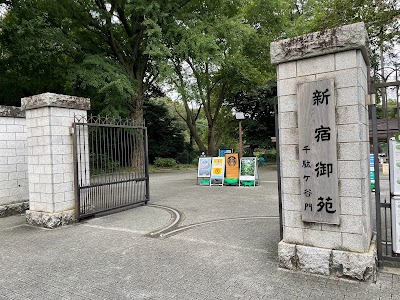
{"type": "Point", "coordinates": [217, 162]}
{"type": "Point", "coordinates": [232, 165]}
{"type": "Point", "coordinates": [217, 171]}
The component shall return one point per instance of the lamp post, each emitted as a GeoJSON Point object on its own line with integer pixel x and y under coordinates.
{"type": "Point", "coordinates": [240, 117]}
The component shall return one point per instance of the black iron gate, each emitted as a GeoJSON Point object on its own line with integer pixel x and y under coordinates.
{"type": "Point", "coordinates": [384, 124]}
{"type": "Point", "coordinates": [111, 165]}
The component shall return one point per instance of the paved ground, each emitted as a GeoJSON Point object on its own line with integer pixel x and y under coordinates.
{"type": "Point", "coordinates": [192, 242]}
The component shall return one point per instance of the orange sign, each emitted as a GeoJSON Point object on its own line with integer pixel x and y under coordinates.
{"type": "Point", "coordinates": [232, 165]}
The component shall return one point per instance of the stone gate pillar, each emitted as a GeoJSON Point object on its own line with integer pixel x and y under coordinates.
{"type": "Point", "coordinates": [49, 118]}
{"type": "Point", "coordinates": [324, 150]}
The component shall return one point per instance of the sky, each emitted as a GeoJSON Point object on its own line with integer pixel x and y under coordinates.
{"type": "Point", "coordinates": [2, 9]}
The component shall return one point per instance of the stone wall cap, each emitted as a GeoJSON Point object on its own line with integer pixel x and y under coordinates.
{"type": "Point", "coordinates": [11, 111]}
{"type": "Point", "coordinates": [344, 38]}
{"type": "Point", "coordinates": [55, 100]}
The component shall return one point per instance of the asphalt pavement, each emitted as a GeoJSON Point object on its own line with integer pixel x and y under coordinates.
{"type": "Point", "coordinates": [189, 242]}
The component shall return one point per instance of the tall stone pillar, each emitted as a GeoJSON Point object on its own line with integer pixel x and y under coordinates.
{"type": "Point", "coordinates": [49, 118]}
{"type": "Point", "coordinates": [325, 194]}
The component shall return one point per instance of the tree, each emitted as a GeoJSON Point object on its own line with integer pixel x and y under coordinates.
{"type": "Point", "coordinates": [128, 32]}
{"type": "Point", "coordinates": [33, 54]}
{"type": "Point", "coordinates": [382, 19]}
{"type": "Point", "coordinates": [124, 37]}
{"type": "Point", "coordinates": [165, 136]}
{"type": "Point", "coordinates": [210, 56]}
{"type": "Point", "coordinates": [105, 82]}
{"type": "Point", "coordinates": [257, 99]}
{"type": "Point", "coordinates": [258, 106]}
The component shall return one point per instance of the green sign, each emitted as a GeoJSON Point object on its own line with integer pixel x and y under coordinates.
{"type": "Point", "coordinates": [248, 168]}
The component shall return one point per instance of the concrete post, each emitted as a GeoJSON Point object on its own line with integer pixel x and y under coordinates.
{"type": "Point", "coordinates": [339, 55]}
{"type": "Point", "coordinates": [50, 157]}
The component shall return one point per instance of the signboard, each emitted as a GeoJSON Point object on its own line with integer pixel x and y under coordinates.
{"type": "Point", "coordinates": [204, 167]}
{"type": "Point", "coordinates": [232, 165]}
{"type": "Point", "coordinates": [317, 152]}
{"type": "Point", "coordinates": [394, 166]}
{"type": "Point", "coordinates": [217, 170]}
{"type": "Point", "coordinates": [222, 152]}
{"type": "Point", "coordinates": [248, 169]}
{"type": "Point", "coordinates": [396, 224]}
{"type": "Point", "coordinates": [372, 171]}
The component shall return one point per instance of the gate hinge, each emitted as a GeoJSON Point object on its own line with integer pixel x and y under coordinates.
{"type": "Point", "coordinates": [71, 130]}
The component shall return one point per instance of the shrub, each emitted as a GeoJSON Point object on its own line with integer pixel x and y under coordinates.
{"type": "Point", "coordinates": [164, 162]}
{"type": "Point", "coordinates": [100, 164]}
{"type": "Point", "coordinates": [271, 157]}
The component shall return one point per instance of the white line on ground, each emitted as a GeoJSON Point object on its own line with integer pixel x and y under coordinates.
{"type": "Point", "coordinates": [115, 229]}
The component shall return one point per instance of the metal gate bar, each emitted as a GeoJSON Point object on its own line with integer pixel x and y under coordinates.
{"type": "Point", "coordinates": [383, 208]}
{"type": "Point", "coordinates": [111, 165]}
{"type": "Point", "coordinates": [372, 109]}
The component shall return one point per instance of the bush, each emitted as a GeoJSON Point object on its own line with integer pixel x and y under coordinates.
{"type": "Point", "coordinates": [164, 162]}
{"type": "Point", "coordinates": [195, 161]}
{"type": "Point", "coordinates": [103, 164]}
{"type": "Point", "coordinates": [271, 157]}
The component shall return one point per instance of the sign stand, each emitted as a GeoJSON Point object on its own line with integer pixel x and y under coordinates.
{"type": "Point", "coordinates": [248, 175]}
{"type": "Point", "coordinates": [217, 171]}
{"type": "Point", "coordinates": [204, 170]}
{"type": "Point", "coordinates": [231, 169]}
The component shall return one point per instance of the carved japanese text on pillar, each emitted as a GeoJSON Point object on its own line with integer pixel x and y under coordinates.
{"type": "Point", "coordinates": [317, 152]}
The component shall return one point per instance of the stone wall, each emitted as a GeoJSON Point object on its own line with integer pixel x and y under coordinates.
{"type": "Point", "coordinates": [346, 249]}
{"type": "Point", "coordinates": [13, 161]}
{"type": "Point", "coordinates": [49, 119]}
{"type": "Point", "coordinates": [50, 159]}
{"type": "Point", "coordinates": [349, 71]}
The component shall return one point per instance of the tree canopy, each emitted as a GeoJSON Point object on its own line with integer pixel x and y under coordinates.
{"type": "Point", "coordinates": [210, 56]}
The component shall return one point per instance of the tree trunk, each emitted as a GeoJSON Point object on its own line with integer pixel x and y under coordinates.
{"type": "Point", "coordinates": [212, 151]}
{"type": "Point", "coordinates": [138, 153]}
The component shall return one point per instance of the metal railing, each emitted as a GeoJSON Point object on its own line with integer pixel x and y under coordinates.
{"type": "Point", "coordinates": [383, 128]}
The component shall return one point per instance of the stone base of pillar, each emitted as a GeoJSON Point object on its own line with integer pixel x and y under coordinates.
{"type": "Point", "coordinates": [50, 220]}
{"type": "Point", "coordinates": [329, 262]}
{"type": "Point", "coordinates": [13, 209]}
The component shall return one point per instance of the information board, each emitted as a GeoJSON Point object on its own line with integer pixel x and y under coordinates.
{"type": "Point", "coordinates": [394, 166]}
{"type": "Point", "coordinates": [395, 208]}
{"type": "Point", "coordinates": [248, 169]}
{"type": "Point", "coordinates": [204, 167]}
{"type": "Point", "coordinates": [217, 169]}
{"type": "Point", "coordinates": [317, 152]}
{"type": "Point", "coordinates": [222, 152]}
{"type": "Point", "coordinates": [232, 165]}
{"type": "Point", "coordinates": [372, 171]}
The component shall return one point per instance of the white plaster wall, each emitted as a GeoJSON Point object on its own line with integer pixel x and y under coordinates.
{"type": "Point", "coordinates": [13, 161]}
{"type": "Point", "coordinates": [349, 71]}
